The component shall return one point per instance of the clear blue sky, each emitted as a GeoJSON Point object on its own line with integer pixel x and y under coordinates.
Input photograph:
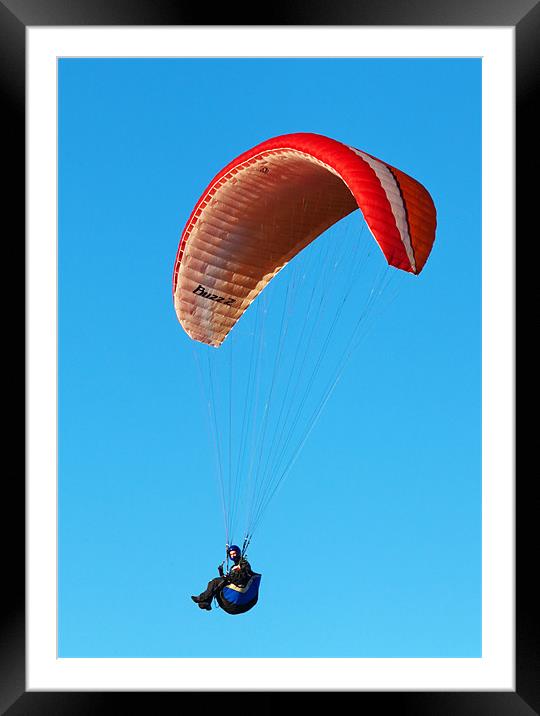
{"type": "Point", "coordinates": [372, 548]}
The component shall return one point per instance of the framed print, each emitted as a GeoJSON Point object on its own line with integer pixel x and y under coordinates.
{"type": "Point", "coordinates": [406, 572]}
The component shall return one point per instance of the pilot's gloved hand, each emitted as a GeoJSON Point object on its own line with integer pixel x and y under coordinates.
{"type": "Point", "coordinates": [220, 570]}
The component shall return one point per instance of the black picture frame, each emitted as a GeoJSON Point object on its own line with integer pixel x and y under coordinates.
{"type": "Point", "coordinates": [15, 17]}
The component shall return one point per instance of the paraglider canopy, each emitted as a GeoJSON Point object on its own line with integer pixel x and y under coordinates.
{"type": "Point", "coordinates": [271, 202]}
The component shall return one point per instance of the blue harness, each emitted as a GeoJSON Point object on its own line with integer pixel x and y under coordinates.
{"type": "Point", "coordinates": [237, 600]}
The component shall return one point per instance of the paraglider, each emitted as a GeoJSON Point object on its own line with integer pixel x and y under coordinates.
{"type": "Point", "coordinates": [237, 591]}
{"type": "Point", "coordinates": [264, 209]}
